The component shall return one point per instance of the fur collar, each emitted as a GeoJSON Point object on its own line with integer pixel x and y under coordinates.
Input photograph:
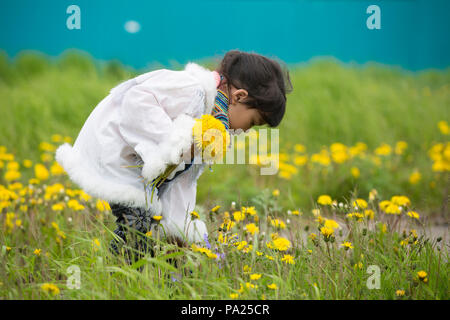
{"type": "Point", "coordinates": [207, 81]}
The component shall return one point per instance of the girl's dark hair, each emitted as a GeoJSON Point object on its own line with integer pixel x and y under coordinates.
{"type": "Point", "coordinates": [264, 79]}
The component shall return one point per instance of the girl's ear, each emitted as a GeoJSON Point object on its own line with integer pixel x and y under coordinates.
{"type": "Point", "coordinates": [240, 94]}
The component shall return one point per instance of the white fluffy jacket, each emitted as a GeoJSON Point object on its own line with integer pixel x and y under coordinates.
{"type": "Point", "coordinates": [146, 119]}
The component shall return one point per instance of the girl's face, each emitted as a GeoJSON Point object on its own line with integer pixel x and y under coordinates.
{"type": "Point", "coordinates": [240, 115]}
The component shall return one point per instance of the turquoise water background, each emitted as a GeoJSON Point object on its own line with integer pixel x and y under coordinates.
{"type": "Point", "coordinates": [414, 34]}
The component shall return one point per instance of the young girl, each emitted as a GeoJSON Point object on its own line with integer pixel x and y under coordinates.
{"type": "Point", "coordinates": [148, 120]}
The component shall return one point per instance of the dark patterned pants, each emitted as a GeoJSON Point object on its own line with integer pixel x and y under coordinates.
{"type": "Point", "coordinates": [129, 220]}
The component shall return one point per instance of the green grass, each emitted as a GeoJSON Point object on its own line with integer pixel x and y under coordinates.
{"type": "Point", "coordinates": [331, 102]}
{"type": "Point", "coordinates": [328, 271]}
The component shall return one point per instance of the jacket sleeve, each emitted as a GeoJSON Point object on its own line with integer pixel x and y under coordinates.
{"type": "Point", "coordinates": [147, 127]}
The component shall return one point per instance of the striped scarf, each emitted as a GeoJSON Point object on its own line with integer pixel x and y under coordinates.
{"type": "Point", "coordinates": [220, 110]}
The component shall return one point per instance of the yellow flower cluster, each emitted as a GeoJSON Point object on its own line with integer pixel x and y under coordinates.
{"type": "Point", "coordinates": [395, 205]}
{"type": "Point", "coordinates": [422, 276]}
{"type": "Point", "coordinates": [440, 155]}
{"type": "Point", "coordinates": [206, 131]}
{"type": "Point", "coordinates": [277, 223]}
{"type": "Point", "coordinates": [205, 251]}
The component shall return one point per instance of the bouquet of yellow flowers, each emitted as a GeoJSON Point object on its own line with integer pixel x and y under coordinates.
{"type": "Point", "coordinates": [210, 137]}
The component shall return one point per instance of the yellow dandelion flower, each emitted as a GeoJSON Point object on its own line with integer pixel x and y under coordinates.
{"type": "Point", "coordinates": [27, 163]}
{"type": "Point", "coordinates": [84, 196]}
{"type": "Point", "coordinates": [384, 204]}
{"type": "Point", "coordinates": [444, 127]}
{"type": "Point", "coordinates": [415, 177]}
{"type": "Point", "coordinates": [102, 205]}
{"type": "Point", "coordinates": [12, 166]}
{"type": "Point", "coordinates": [288, 259]}
{"type": "Point", "coordinates": [347, 245]}
{"type": "Point", "coordinates": [373, 194]}
{"type": "Point", "coordinates": [215, 209]}
{"type": "Point", "coordinates": [327, 232]}
{"type": "Point", "coordinates": [238, 216]}
{"type": "Point", "coordinates": [272, 286]}
{"type": "Point", "coordinates": [325, 200]}
{"type": "Point", "coordinates": [255, 276]}
{"type": "Point", "coordinates": [281, 244]}
{"type": "Point", "coordinates": [50, 288]}
{"type": "Point", "coordinates": [401, 200]}
{"type": "Point", "coordinates": [299, 148]}
{"type": "Point", "coordinates": [37, 252]}
{"type": "Point", "coordinates": [15, 186]}
{"type": "Point", "coordinates": [41, 172]}
{"type": "Point", "coordinates": [276, 193]}
{"type": "Point", "coordinates": [75, 205]}
{"type": "Point", "coordinates": [157, 218]}
{"type": "Point", "coordinates": [12, 175]}
{"type": "Point", "coordinates": [234, 295]}
{"type": "Point", "coordinates": [95, 244]}
{"type": "Point", "coordinates": [46, 157]}
{"type": "Point", "coordinates": [413, 214]}
{"type": "Point", "coordinates": [56, 169]}
{"type": "Point", "coordinates": [355, 172]}
{"type": "Point", "coordinates": [278, 223]}
{"type": "Point", "coordinates": [360, 203]}
{"type": "Point", "coordinates": [249, 285]}
{"type": "Point", "coordinates": [413, 233]}
{"type": "Point", "coordinates": [269, 257]}
{"type": "Point", "coordinates": [45, 146]}
{"type": "Point", "coordinates": [383, 150]}
{"type": "Point", "coordinates": [422, 275]}
{"type": "Point", "coordinates": [241, 244]}
{"type": "Point", "coordinates": [56, 138]}
{"type": "Point", "coordinates": [194, 215]}
{"type": "Point", "coordinates": [400, 147]}
{"type": "Point", "coordinates": [251, 228]}
{"type": "Point", "coordinates": [400, 293]}
{"type": "Point", "coordinates": [392, 208]}
{"type": "Point", "coordinates": [58, 207]}
{"type": "Point", "coordinates": [250, 210]}
{"type": "Point", "coordinates": [33, 181]}
{"type": "Point", "coordinates": [369, 213]}
{"type": "Point", "coordinates": [329, 223]}
{"type": "Point", "coordinates": [300, 160]}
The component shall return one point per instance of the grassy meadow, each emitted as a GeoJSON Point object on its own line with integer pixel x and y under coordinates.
{"type": "Point", "coordinates": [357, 210]}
